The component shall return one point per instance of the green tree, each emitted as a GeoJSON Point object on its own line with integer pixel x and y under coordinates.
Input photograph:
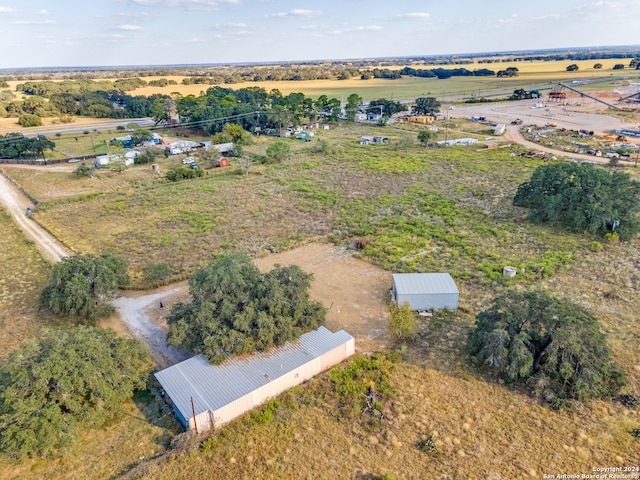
{"type": "Point", "coordinates": [426, 136]}
{"type": "Point", "coordinates": [53, 389]}
{"type": "Point", "coordinates": [237, 310]}
{"type": "Point", "coordinates": [551, 346]}
{"type": "Point", "coordinates": [353, 103]}
{"type": "Point", "coordinates": [278, 152]}
{"type": "Point", "coordinates": [597, 66]}
{"type": "Point", "coordinates": [81, 285]}
{"type": "Point", "coordinates": [29, 120]}
{"type": "Point", "coordinates": [141, 135]}
{"type": "Point", "coordinates": [618, 66]}
{"type": "Point", "coordinates": [582, 198]}
{"type": "Point", "coordinates": [573, 67]}
{"type": "Point", "coordinates": [426, 106]}
{"type": "Point", "coordinates": [402, 322]}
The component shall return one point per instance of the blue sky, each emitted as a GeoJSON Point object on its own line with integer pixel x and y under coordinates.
{"type": "Point", "coordinates": [40, 33]}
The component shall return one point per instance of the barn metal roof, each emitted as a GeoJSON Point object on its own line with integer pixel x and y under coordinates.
{"type": "Point", "coordinates": [417, 283]}
{"type": "Point", "coordinates": [213, 386]}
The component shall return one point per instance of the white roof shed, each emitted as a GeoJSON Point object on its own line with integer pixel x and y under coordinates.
{"type": "Point", "coordinates": [219, 393]}
{"type": "Point", "coordinates": [425, 291]}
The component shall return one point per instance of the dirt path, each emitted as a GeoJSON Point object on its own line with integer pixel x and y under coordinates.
{"type": "Point", "coordinates": [16, 204]}
{"type": "Point", "coordinates": [513, 133]}
{"type": "Point", "coordinates": [145, 319]}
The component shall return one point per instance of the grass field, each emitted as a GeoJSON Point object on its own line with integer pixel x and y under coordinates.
{"type": "Point", "coordinates": [23, 273]}
{"type": "Point", "coordinates": [420, 208]}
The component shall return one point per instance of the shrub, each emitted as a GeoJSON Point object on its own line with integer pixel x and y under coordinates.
{"type": "Point", "coordinates": [596, 246]}
{"type": "Point", "coordinates": [184, 173]}
{"type": "Point", "coordinates": [278, 152]}
{"type": "Point", "coordinates": [156, 272]}
{"type": "Point", "coordinates": [402, 324]}
{"type": "Point", "coordinates": [84, 171]}
{"type": "Point", "coordinates": [29, 120]}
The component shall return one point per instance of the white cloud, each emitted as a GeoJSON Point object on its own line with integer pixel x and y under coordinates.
{"type": "Point", "coordinates": [43, 12]}
{"type": "Point", "coordinates": [34, 22]}
{"type": "Point", "coordinates": [128, 28]}
{"type": "Point", "coordinates": [232, 25]}
{"type": "Point", "coordinates": [138, 15]}
{"type": "Point", "coordinates": [197, 40]}
{"type": "Point", "coordinates": [367, 28]}
{"type": "Point", "coordinates": [186, 4]}
{"type": "Point", "coordinates": [298, 12]}
{"type": "Point", "coordinates": [7, 10]}
{"type": "Point", "coordinates": [598, 5]}
{"type": "Point", "coordinates": [412, 15]}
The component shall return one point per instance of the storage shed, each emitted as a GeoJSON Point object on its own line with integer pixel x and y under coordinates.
{"type": "Point", "coordinates": [206, 396]}
{"type": "Point", "coordinates": [425, 291]}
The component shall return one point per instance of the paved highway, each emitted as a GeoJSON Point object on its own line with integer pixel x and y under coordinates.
{"type": "Point", "coordinates": [109, 124]}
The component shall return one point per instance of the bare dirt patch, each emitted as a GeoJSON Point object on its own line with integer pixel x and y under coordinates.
{"type": "Point", "coordinates": [355, 292]}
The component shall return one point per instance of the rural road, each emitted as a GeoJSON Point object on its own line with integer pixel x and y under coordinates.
{"type": "Point", "coordinates": [16, 204]}
{"type": "Point", "coordinates": [131, 306]}
{"type": "Point", "coordinates": [79, 128]}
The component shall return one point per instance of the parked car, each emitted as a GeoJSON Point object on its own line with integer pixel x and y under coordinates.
{"type": "Point", "coordinates": [188, 161]}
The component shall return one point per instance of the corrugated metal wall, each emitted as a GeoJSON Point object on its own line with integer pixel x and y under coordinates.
{"type": "Point", "coordinates": [274, 388]}
{"type": "Point", "coordinates": [427, 301]}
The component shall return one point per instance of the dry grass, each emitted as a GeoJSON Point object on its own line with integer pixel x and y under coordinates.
{"type": "Point", "coordinates": [482, 431]}
{"type": "Point", "coordinates": [22, 274]}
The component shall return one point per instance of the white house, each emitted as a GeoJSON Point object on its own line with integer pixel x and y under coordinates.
{"type": "Point", "coordinates": [111, 158]}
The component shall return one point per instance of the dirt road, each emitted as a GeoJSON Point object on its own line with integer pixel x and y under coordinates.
{"type": "Point", "coordinates": [134, 308]}
{"type": "Point", "coordinates": [561, 115]}
{"type": "Point", "coordinates": [145, 319]}
{"type": "Point", "coordinates": [16, 204]}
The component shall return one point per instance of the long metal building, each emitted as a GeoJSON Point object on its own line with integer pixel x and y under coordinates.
{"type": "Point", "coordinates": [207, 396]}
{"type": "Point", "coordinates": [425, 291]}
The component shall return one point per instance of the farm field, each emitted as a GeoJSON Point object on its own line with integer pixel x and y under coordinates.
{"type": "Point", "coordinates": [533, 74]}
{"type": "Point", "coordinates": [419, 209]}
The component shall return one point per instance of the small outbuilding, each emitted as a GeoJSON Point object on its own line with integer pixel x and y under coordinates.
{"type": "Point", "coordinates": [206, 396]}
{"type": "Point", "coordinates": [425, 291]}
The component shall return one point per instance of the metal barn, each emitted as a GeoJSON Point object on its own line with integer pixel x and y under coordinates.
{"type": "Point", "coordinates": [425, 291]}
{"type": "Point", "coordinates": [206, 396]}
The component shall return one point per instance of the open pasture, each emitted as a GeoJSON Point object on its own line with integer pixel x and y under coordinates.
{"type": "Point", "coordinates": [417, 208]}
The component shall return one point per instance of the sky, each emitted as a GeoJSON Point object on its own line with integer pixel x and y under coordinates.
{"type": "Point", "coordinates": [48, 33]}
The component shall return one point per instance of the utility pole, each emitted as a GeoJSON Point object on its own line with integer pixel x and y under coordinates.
{"type": "Point", "coordinates": [446, 128]}
{"type": "Point", "coordinates": [193, 412]}
{"type": "Point", "coordinates": [41, 149]}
